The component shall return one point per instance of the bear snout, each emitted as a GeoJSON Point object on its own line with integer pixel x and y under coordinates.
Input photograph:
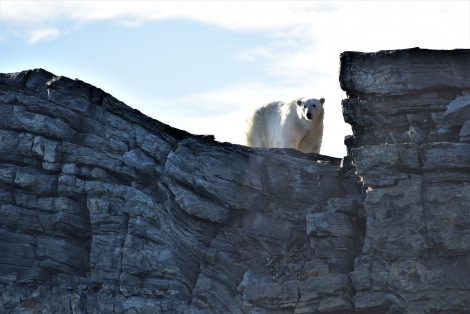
{"type": "Point", "coordinates": [309, 115]}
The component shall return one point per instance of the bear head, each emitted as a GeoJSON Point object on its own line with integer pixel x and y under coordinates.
{"type": "Point", "coordinates": [310, 107]}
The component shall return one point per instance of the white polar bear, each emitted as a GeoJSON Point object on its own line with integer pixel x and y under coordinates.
{"type": "Point", "coordinates": [297, 124]}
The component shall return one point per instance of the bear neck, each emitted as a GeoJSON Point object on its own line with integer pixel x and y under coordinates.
{"type": "Point", "coordinates": [316, 124]}
{"type": "Point", "coordinates": [318, 119]}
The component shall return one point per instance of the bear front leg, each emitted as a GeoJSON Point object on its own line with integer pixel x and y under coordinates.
{"type": "Point", "coordinates": [289, 142]}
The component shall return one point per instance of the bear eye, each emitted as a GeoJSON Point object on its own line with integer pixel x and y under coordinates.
{"type": "Point", "coordinates": [314, 106]}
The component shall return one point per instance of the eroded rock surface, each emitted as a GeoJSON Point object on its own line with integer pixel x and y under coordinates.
{"type": "Point", "coordinates": [408, 110]}
{"type": "Point", "coordinates": [105, 210]}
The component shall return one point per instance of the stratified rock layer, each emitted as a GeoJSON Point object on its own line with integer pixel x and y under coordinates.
{"type": "Point", "coordinates": [408, 110]}
{"type": "Point", "coordinates": [105, 210]}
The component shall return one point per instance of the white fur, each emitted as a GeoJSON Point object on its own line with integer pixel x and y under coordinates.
{"type": "Point", "coordinates": [282, 125]}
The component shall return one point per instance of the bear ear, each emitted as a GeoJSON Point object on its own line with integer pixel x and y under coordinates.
{"type": "Point", "coordinates": [299, 102]}
{"type": "Point", "coordinates": [322, 100]}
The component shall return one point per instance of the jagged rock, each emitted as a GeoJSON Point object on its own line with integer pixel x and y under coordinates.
{"type": "Point", "coordinates": [391, 73]}
{"type": "Point", "coordinates": [402, 96]}
{"type": "Point", "coordinates": [105, 210]}
{"type": "Point", "coordinates": [416, 184]}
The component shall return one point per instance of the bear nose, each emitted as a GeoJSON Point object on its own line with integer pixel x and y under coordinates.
{"type": "Point", "coordinates": [309, 115]}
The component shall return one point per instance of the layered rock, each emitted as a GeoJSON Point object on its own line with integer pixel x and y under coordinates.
{"type": "Point", "coordinates": [409, 111]}
{"type": "Point", "coordinates": [106, 210]}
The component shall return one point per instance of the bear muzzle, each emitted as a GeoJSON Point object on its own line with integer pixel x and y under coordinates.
{"type": "Point", "coordinates": [309, 116]}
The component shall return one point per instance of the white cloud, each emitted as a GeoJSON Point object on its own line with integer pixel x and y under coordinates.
{"type": "Point", "coordinates": [42, 34]}
{"type": "Point", "coordinates": [354, 22]}
{"type": "Point", "coordinates": [277, 17]}
{"type": "Point", "coordinates": [236, 98]}
{"type": "Point", "coordinates": [397, 24]}
{"type": "Point", "coordinates": [254, 54]}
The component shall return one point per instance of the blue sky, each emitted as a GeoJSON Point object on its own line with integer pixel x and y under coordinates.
{"type": "Point", "coordinates": [203, 66]}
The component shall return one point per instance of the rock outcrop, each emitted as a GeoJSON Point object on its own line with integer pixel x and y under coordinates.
{"type": "Point", "coordinates": [410, 110]}
{"type": "Point", "coordinates": [105, 210]}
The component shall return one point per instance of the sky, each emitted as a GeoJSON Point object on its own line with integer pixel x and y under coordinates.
{"type": "Point", "coordinates": [204, 66]}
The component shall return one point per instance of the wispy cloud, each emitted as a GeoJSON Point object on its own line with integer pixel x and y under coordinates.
{"type": "Point", "coordinates": [283, 16]}
{"type": "Point", "coordinates": [254, 54]}
{"type": "Point", "coordinates": [42, 34]}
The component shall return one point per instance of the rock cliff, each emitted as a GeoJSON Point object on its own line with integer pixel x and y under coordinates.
{"type": "Point", "coordinates": [105, 210]}
{"type": "Point", "coordinates": [410, 113]}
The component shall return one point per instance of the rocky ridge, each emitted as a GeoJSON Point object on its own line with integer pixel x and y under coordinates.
{"type": "Point", "coordinates": [108, 211]}
{"type": "Point", "coordinates": [105, 210]}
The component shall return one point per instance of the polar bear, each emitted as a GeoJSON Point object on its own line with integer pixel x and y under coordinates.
{"type": "Point", "coordinates": [297, 124]}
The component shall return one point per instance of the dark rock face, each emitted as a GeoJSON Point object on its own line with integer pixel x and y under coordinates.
{"type": "Point", "coordinates": [405, 96]}
{"type": "Point", "coordinates": [415, 257]}
{"type": "Point", "coordinates": [105, 210]}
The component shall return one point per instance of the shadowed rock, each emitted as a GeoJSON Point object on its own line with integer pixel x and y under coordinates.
{"type": "Point", "coordinates": [105, 210]}
{"type": "Point", "coordinates": [416, 103]}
